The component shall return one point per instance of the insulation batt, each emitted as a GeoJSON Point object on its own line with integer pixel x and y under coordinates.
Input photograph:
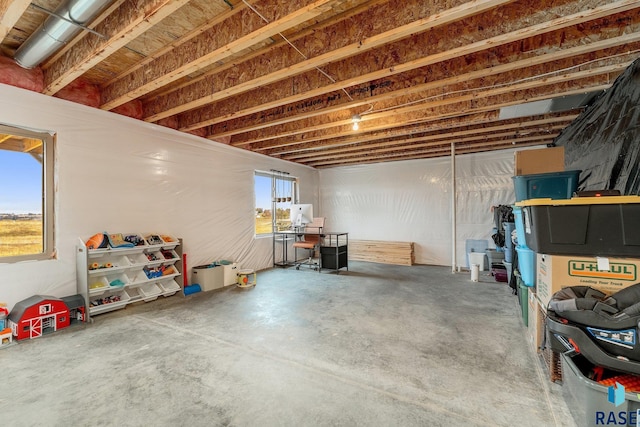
{"type": "Point", "coordinates": [169, 122]}
{"type": "Point", "coordinates": [130, 109]}
{"type": "Point", "coordinates": [13, 74]}
{"type": "Point", "coordinates": [81, 92]}
{"type": "Point", "coordinates": [199, 132]}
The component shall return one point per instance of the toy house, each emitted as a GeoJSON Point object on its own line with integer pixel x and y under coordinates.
{"type": "Point", "coordinates": [76, 306]}
{"type": "Point", "coordinates": [38, 315]}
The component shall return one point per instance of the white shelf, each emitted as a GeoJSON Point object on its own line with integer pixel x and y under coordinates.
{"type": "Point", "coordinates": [101, 304]}
{"type": "Point", "coordinates": [120, 275]}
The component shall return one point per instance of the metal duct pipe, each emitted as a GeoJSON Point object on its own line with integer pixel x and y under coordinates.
{"type": "Point", "coordinates": [67, 20]}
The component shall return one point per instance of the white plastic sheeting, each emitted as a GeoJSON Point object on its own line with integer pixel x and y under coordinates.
{"type": "Point", "coordinates": [411, 201]}
{"type": "Point", "coordinates": [117, 174]}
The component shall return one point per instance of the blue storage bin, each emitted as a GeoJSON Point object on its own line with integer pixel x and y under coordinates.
{"type": "Point", "coordinates": [552, 185]}
{"type": "Point", "coordinates": [527, 265]}
{"type": "Point", "coordinates": [517, 215]}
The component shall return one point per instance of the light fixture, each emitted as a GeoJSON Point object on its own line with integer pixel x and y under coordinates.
{"type": "Point", "coordinates": [356, 120]}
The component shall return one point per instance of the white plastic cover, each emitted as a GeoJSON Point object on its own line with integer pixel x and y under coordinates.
{"type": "Point", "coordinates": [118, 174]}
{"type": "Point", "coordinates": [411, 201]}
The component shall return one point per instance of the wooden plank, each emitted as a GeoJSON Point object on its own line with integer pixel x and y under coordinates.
{"type": "Point", "coordinates": [127, 22]}
{"type": "Point", "coordinates": [513, 136]}
{"type": "Point", "coordinates": [260, 72]}
{"type": "Point", "coordinates": [521, 125]}
{"type": "Point", "coordinates": [333, 127]}
{"type": "Point", "coordinates": [240, 31]}
{"type": "Point", "coordinates": [388, 90]}
{"type": "Point", "coordinates": [361, 75]}
{"type": "Point", "coordinates": [384, 252]}
{"type": "Point", "coordinates": [10, 13]}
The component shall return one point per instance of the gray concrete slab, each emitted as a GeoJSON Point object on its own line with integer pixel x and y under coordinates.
{"type": "Point", "coordinates": [376, 346]}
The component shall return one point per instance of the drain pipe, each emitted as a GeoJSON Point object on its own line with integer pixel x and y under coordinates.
{"type": "Point", "coordinates": [453, 207]}
{"type": "Point", "coordinates": [60, 27]}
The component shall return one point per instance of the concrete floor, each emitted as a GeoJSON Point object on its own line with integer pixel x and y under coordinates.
{"type": "Point", "coordinates": [376, 346]}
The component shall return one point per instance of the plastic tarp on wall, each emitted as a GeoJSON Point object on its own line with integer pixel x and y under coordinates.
{"type": "Point", "coordinates": [118, 174]}
{"type": "Point", "coordinates": [411, 201]}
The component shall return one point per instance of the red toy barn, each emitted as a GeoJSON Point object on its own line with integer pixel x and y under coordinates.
{"type": "Point", "coordinates": [38, 315]}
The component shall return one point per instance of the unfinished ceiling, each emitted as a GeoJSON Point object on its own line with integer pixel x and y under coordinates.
{"type": "Point", "coordinates": [286, 78]}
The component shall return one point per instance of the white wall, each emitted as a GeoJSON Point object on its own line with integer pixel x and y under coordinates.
{"type": "Point", "coordinates": [117, 174]}
{"type": "Point", "coordinates": [411, 201]}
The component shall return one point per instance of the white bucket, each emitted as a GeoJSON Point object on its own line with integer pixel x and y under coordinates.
{"type": "Point", "coordinates": [475, 272]}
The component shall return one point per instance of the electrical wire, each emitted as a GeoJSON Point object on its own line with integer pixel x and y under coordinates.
{"type": "Point", "coordinates": [429, 98]}
{"type": "Point", "coordinates": [324, 73]}
{"type": "Point", "coordinates": [457, 92]}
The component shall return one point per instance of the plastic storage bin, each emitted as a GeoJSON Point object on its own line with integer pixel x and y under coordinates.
{"type": "Point", "coordinates": [477, 258]}
{"type": "Point", "coordinates": [551, 185]}
{"type": "Point", "coordinates": [588, 400]}
{"type": "Point", "coordinates": [603, 226]}
{"type": "Point", "coordinates": [519, 222]}
{"type": "Point", "coordinates": [209, 277]}
{"type": "Point", "coordinates": [494, 256]}
{"type": "Point", "coordinates": [527, 265]}
{"type": "Point", "coordinates": [472, 245]}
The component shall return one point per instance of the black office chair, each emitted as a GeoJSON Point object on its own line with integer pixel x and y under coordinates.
{"type": "Point", "coordinates": [310, 242]}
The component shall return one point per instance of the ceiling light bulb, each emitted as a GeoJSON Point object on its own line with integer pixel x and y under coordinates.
{"type": "Point", "coordinates": [356, 119]}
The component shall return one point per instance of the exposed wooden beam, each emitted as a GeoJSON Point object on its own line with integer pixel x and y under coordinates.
{"type": "Point", "coordinates": [70, 44]}
{"type": "Point", "coordinates": [124, 24]}
{"type": "Point", "coordinates": [211, 114]}
{"type": "Point", "coordinates": [426, 114]}
{"type": "Point", "coordinates": [424, 154]}
{"type": "Point", "coordinates": [259, 72]}
{"type": "Point", "coordinates": [239, 31]}
{"type": "Point", "coordinates": [10, 13]}
{"type": "Point", "coordinates": [261, 140]}
{"type": "Point", "coordinates": [553, 61]}
{"type": "Point", "coordinates": [269, 50]}
{"type": "Point", "coordinates": [175, 44]}
{"type": "Point", "coordinates": [430, 140]}
{"type": "Point", "coordinates": [454, 128]}
{"type": "Point", "coordinates": [444, 140]}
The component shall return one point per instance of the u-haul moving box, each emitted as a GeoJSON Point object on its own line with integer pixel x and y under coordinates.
{"type": "Point", "coordinates": [607, 275]}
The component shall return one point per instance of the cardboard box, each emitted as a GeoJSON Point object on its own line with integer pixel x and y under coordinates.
{"type": "Point", "coordinates": [535, 332]}
{"type": "Point", "coordinates": [543, 160]}
{"type": "Point", "coordinates": [608, 275]}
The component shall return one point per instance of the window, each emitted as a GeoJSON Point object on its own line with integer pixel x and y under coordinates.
{"type": "Point", "coordinates": [275, 192]}
{"type": "Point", "coordinates": [26, 194]}
{"type": "Point", "coordinates": [45, 308]}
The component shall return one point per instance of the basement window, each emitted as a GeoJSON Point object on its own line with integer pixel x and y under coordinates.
{"type": "Point", "coordinates": [26, 194]}
{"type": "Point", "coordinates": [275, 192]}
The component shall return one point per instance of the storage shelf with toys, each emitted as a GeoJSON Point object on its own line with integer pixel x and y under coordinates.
{"type": "Point", "coordinates": [114, 270]}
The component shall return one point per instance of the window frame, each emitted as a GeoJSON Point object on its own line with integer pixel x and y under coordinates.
{"type": "Point", "coordinates": [274, 176]}
{"type": "Point", "coordinates": [48, 185]}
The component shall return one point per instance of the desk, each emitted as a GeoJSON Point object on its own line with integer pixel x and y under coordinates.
{"type": "Point", "coordinates": [333, 248]}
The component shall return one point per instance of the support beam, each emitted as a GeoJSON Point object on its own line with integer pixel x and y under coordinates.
{"type": "Point", "coordinates": [265, 140]}
{"type": "Point", "coordinates": [238, 32]}
{"type": "Point", "coordinates": [446, 50]}
{"type": "Point", "coordinates": [260, 72]}
{"type": "Point", "coordinates": [10, 13]}
{"type": "Point", "coordinates": [126, 23]}
{"type": "Point", "coordinates": [386, 90]}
